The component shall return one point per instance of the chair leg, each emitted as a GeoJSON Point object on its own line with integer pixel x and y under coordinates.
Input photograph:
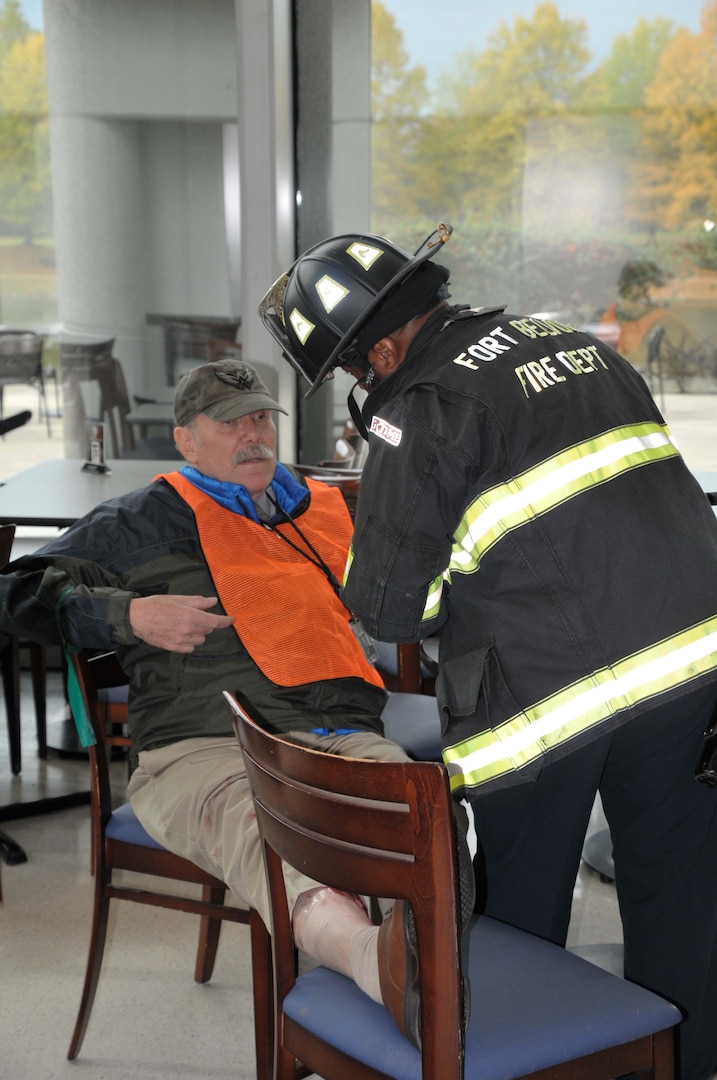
{"type": "Point", "coordinates": [43, 407]}
{"type": "Point", "coordinates": [209, 930]}
{"type": "Point", "coordinates": [663, 1044]}
{"type": "Point", "coordinates": [94, 963]}
{"type": "Point", "coordinates": [263, 983]}
{"type": "Point", "coordinates": [39, 693]}
{"type": "Point", "coordinates": [10, 663]}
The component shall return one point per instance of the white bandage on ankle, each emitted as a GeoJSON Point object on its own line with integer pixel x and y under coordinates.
{"type": "Point", "coordinates": [334, 929]}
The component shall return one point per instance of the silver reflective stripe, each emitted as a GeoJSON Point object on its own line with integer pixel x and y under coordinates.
{"type": "Point", "coordinates": [507, 506]}
{"type": "Point", "coordinates": [539, 490]}
{"type": "Point", "coordinates": [577, 708]}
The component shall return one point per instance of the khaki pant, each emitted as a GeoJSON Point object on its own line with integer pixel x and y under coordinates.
{"type": "Point", "coordinates": [193, 797]}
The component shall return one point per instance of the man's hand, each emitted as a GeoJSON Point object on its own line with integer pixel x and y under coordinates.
{"type": "Point", "coordinates": [176, 623]}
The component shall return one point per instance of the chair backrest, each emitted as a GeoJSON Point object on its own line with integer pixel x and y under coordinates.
{"type": "Point", "coordinates": [381, 829]}
{"type": "Point", "coordinates": [94, 673]}
{"type": "Point", "coordinates": [21, 356]}
{"type": "Point", "coordinates": [7, 536]}
{"type": "Point", "coordinates": [115, 404]}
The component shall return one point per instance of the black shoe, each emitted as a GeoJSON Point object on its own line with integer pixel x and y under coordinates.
{"type": "Point", "coordinates": [398, 952]}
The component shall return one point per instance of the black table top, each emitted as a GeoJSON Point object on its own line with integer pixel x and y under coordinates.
{"type": "Point", "coordinates": [59, 491]}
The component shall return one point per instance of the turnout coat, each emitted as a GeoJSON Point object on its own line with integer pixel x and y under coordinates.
{"type": "Point", "coordinates": [524, 498]}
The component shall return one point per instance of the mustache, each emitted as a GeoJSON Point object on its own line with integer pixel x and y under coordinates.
{"type": "Point", "coordinates": [253, 450]}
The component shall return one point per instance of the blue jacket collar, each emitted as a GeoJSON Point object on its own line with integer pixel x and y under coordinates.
{"type": "Point", "coordinates": [285, 488]}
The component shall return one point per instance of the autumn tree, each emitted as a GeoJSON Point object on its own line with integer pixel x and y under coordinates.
{"type": "Point", "coordinates": [398, 96]}
{"type": "Point", "coordinates": [556, 173]}
{"type": "Point", "coordinates": [678, 174]}
{"type": "Point", "coordinates": [620, 82]}
{"type": "Point", "coordinates": [511, 100]}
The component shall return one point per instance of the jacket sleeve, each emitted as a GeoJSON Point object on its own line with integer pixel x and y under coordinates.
{"type": "Point", "coordinates": [86, 575]}
{"type": "Point", "coordinates": [411, 499]}
{"type": "Point", "coordinates": [93, 607]}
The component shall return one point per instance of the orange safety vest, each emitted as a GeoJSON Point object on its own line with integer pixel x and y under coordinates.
{"type": "Point", "coordinates": [285, 610]}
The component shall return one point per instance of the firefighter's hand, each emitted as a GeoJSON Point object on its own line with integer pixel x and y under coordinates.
{"type": "Point", "coordinates": [176, 623]}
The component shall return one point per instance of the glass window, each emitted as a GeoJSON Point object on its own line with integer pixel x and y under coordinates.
{"type": "Point", "coordinates": [118, 209]}
{"type": "Point", "coordinates": [28, 280]}
{"type": "Point", "coordinates": [573, 147]}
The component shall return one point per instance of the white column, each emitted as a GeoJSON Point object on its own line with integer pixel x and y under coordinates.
{"type": "Point", "coordinates": [264, 62]}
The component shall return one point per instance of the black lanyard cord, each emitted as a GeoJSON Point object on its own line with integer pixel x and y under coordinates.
{"type": "Point", "coordinates": [314, 557]}
{"type": "Point", "coordinates": [365, 642]}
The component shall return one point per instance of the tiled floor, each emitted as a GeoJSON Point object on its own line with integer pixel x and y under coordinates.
{"type": "Point", "coordinates": [150, 1019]}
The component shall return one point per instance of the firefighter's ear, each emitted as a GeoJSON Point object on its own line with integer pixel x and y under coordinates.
{"type": "Point", "coordinates": [384, 357]}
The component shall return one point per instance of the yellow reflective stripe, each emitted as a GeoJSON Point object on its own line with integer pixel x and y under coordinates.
{"type": "Point", "coordinates": [577, 708]}
{"type": "Point", "coordinates": [538, 490]}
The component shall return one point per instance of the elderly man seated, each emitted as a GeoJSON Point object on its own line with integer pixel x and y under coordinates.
{"type": "Point", "coordinates": [225, 575]}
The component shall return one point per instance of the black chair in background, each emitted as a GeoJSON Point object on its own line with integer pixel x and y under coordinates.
{"type": "Point", "coordinates": [114, 407]}
{"type": "Point", "coordinates": [21, 363]}
{"type": "Point", "coordinates": [10, 651]}
{"type": "Point", "coordinates": [10, 664]}
{"type": "Point", "coordinates": [10, 851]}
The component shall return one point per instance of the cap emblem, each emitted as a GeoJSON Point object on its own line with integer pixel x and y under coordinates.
{"type": "Point", "coordinates": [241, 377]}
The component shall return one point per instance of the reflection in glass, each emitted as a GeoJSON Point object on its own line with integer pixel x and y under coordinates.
{"type": "Point", "coordinates": [584, 189]}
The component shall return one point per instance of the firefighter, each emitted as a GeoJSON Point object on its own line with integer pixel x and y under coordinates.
{"type": "Point", "coordinates": [524, 500]}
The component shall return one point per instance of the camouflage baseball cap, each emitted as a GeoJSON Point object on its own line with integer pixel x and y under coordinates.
{"type": "Point", "coordinates": [224, 390]}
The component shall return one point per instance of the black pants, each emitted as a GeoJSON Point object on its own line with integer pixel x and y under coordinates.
{"type": "Point", "coordinates": [664, 831]}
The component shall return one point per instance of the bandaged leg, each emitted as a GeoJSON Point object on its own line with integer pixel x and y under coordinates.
{"type": "Point", "coordinates": [334, 929]}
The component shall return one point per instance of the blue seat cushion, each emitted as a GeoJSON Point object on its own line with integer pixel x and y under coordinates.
{"type": "Point", "coordinates": [533, 1005]}
{"type": "Point", "coordinates": [113, 695]}
{"type": "Point", "coordinates": [413, 721]}
{"type": "Point", "coordinates": [123, 825]}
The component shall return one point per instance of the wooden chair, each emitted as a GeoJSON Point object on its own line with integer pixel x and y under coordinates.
{"type": "Point", "coordinates": [385, 829]}
{"type": "Point", "coordinates": [120, 843]}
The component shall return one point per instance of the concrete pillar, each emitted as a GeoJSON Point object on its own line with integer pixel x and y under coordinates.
{"type": "Point", "coordinates": [265, 66]}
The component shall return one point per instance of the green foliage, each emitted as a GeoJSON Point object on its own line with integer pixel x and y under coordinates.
{"type": "Point", "coordinates": [25, 182]}
{"type": "Point", "coordinates": [621, 81]}
{"type": "Point", "coordinates": [14, 27]}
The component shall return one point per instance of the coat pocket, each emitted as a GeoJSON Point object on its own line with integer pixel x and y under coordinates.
{"type": "Point", "coordinates": [474, 697]}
